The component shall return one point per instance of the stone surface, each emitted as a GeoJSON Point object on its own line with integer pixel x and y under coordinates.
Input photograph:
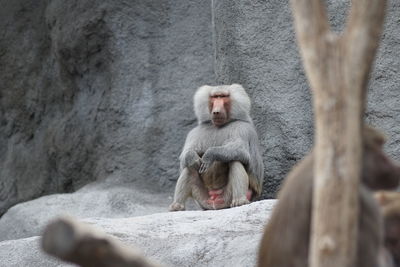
{"type": "Point", "coordinates": [102, 90]}
{"type": "Point", "coordinates": [26, 252]}
{"type": "Point", "coordinates": [101, 200]}
{"type": "Point", "coordinates": [383, 107]}
{"type": "Point", "coordinates": [97, 200]}
{"type": "Point", "coordinates": [255, 46]}
{"type": "Point", "coordinates": [93, 88]}
{"type": "Point", "coordinates": [191, 238]}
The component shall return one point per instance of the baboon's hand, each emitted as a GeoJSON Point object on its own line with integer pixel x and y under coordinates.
{"type": "Point", "coordinates": [206, 161]}
{"type": "Point", "coordinates": [192, 160]}
{"type": "Point", "coordinates": [204, 166]}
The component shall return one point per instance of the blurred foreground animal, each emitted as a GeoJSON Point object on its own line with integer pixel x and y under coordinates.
{"type": "Point", "coordinates": [287, 235]}
{"type": "Point", "coordinates": [390, 207]}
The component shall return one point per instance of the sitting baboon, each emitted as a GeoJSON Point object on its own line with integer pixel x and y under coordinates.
{"type": "Point", "coordinates": [221, 164]}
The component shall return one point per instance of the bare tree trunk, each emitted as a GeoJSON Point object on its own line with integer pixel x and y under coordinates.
{"type": "Point", "coordinates": [79, 243]}
{"type": "Point", "coordinates": [337, 67]}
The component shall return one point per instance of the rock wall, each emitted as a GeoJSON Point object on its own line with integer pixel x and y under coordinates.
{"type": "Point", "coordinates": [255, 45]}
{"type": "Point", "coordinates": [102, 91]}
{"type": "Point", "coordinates": [96, 89]}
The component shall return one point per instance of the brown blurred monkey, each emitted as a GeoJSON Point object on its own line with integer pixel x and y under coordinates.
{"type": "Point", "coordinates": [287, 235]}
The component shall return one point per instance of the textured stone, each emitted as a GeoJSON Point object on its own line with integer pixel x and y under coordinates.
{"type": "Point", "coordinates": [190, 238]}
{"type": "Point", "coordinates": [94, 88]}
{"type": "Point", "coordinates": [255, 46]}
{"type": "Point", "coordinates": [102, 90]}
{"type": "Point", "coordinates": [97, 200]}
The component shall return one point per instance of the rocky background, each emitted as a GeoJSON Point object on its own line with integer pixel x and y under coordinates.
{"type": "Point", "coordinates": [96, 101]}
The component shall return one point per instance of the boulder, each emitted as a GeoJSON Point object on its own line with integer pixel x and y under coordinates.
{"type": "Point", "coordinates": [96, 200]}
{"type": "Point", "coordinates": [227, 237]}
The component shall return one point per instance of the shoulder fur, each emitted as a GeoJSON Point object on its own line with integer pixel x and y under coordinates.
{"type": "Point", "coordinates": [240, 102]}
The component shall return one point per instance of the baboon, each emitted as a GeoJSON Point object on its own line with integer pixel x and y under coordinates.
{"type": "Point", "coordinates": [221, 164]}
{"type": "Point", "coordinates": [285, 242]}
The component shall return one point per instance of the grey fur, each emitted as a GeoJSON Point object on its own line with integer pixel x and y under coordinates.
{"type": "Point", "coordinates": [237, 140]}
{"type": "Point", "coordinates": [241, 105]}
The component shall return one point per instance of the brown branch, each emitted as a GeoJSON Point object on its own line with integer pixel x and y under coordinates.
{"type": "Point", "coordinates": [312, 30]}
{"type": "Point", "coordinates": [362, 34]}
{"type": "Point", "coordinates": [79, 243]}
{"type": "Point", "coordinates": [337, 67]}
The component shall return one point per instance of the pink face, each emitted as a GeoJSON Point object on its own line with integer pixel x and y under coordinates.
{"type": "Point", "coordinates": [219, 105]}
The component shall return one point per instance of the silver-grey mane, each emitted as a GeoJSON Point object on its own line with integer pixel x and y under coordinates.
{"type": "Point", "coordinates": [240, 102]}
